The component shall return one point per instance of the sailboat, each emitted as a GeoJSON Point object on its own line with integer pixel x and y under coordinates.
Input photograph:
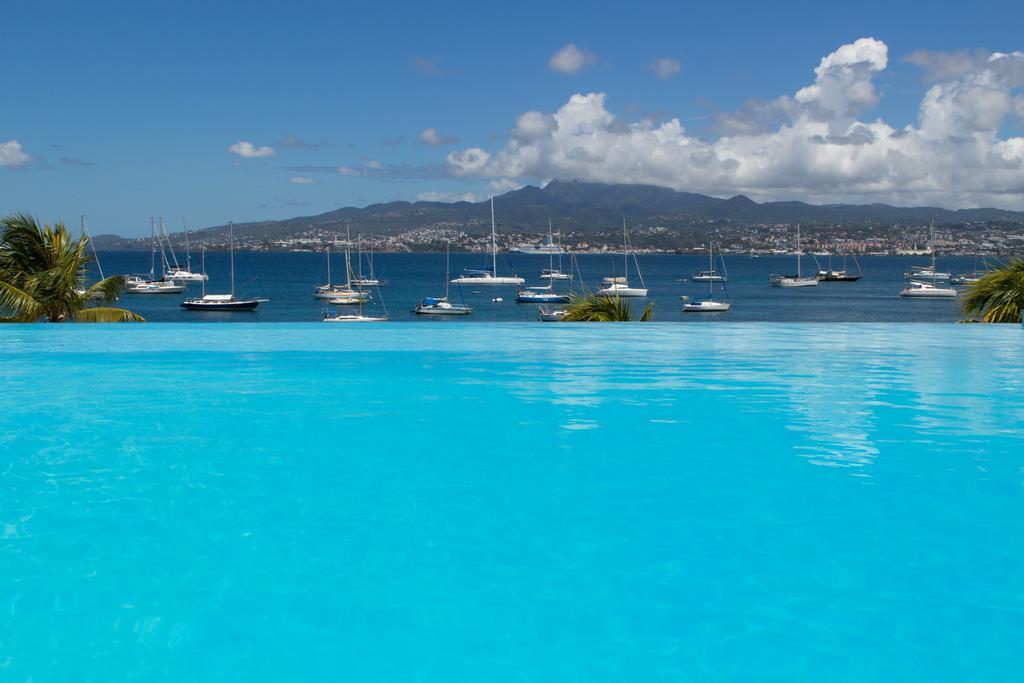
{"type": "Point", "coordinates": [357, 299]}
{"type": "Point", "coordinates": [488, 276]}
{"type": "Point", "coordinates": [183, 274]}
{"type": "Point", "coordinates": [359, 280]}
{"type": "Point", "coordinates": [619, 286]}
{"type": "Point", "coordinates": [922, 289]}
{"type": "Point", "coordinates": [551, 273]}
{"type": "Point", "coordinates": [830, 275]}
{"type": "Point", "coordinates": [221, 302]}
{"type": "Point", "coordinates": [135, 284]}
{"type": "Point", "coordinates": [797, 280]}
{"type": "Point", "coordinates": [968, 278]}
{"type": "Point", "coordinates": [544, 294]}
{"type": "Point", "coordinates": [433, 305]}
{"type": "Point", "coordinates": [554, 315]}
{"type": "Point", "coordinates": [709, 305]}
{"type": "Point", "coordinates": [710, 275]}
{"type": "Point", "coordinates": [341, 295]}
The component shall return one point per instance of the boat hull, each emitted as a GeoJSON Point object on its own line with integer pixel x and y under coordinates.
{"type": "Point", "coordinates": [634, 292]}
{"type": "Point", "coordinates": [430, 310]}
{"type": "Point", "coordinates": [488, 281]}
{"type": "Point", "coordinates": [788, 281]}
{"type": "Point", "coordinates": [706, 307]}
{"type": "Point", "coordinates": [353, 319]}
{"type": "Point", "coordinates": [937, 293]}
{"type": "Point", "coordinates": [248, 305]}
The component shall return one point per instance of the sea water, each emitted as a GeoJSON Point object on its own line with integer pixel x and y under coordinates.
{"type": "Point", "coordinates": [735, 502]}
{"type": "Point", "coordinates": [287, 280]}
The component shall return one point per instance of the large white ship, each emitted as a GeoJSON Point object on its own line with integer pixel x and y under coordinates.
{"type": "Point", "coordinates": [546, 247]}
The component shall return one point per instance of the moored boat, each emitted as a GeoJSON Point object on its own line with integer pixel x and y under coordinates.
{"type": "Point", "coordinates": [221, 302]}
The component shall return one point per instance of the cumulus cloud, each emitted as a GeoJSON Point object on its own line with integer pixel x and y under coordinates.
{"type": "Point", "coordinates": [12, 155]}
{"type": "Point", "coordinates": [349, 171]}
{"type": "Point", "coordinates": [447, 197]}
{"type": "Point", "coordinates": [820, 143]}
{"type": "Point", "coordinates": [431, 136]}
{"type": "Point", "coordinates": [571, 59]}
{"type": "Point", "coordinates": [665, 67]}
{"type": "Point", "coordinates": [247, 150]}
{"type": "Point", "coordinates": [300, 180]}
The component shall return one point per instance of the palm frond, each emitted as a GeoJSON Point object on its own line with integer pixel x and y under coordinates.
{"type": "Point", "coordinates": [998, 297]}
{"type": "Point", "coordinates": [45, 265]}
{"type": "Point", "coordinates": [648, 314]}
{"type": "Point", "coordinates": [107, 289]}
{"type": "Point", "coordinates": [100, 314]}
{"type": "Point", "coordinates": [19, 305]}
{"type": "Point", "coordinates": [598, 308]}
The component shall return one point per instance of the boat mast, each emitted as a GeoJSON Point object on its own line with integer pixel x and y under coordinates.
{"type": "Point", "coordinates": [348, 257]}
{"type": "Point", "coordinates": [447, 268]}
{"type": "Point", "coordinates": [231, 243]}
{"type": "Point", "coordinates": [163, 255]}
{"type": "Point", "coordinates": [202, 260]}
{"type": "Point", "coordinates": [797, 251]}
{"type": "Point", "coordinates": [625, 254]}
{"type": "Point", "coordinates": [329, 263]}
{"type": "Point", "coordinates": [494, 243]}
{"type": "Point", "coordinates": [711, 268]}
{"type": "Point", "coordinates": [188, 252]}
{"type": "Point", "coordinates": [152, 245]}
{"type": "Point", "coordinates": [95, 254]}
{"type": "Point", "coordinates": [931, 238]}
{"type": "Point", "coordinates": [551, 244]}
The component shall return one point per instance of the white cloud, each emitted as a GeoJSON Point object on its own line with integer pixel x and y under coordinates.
{"type": "Point", "coordinates": [571, 59]}
{"type": "Point", "coordinates": [665, 67]}
{"type": "Point", "coordinates": [349, 171]}
{"type": "Point", "coordinates": [817, 144]}
{"type": "Point", "coordinates": [247, 150]}
{"type": "Point", "coordinates": [373, 164]}
{"type": "Point", "coordinates": [431, 136]}
{"type": "Point", "coordinates": [12, 155]}
{"type": "Point", "coordinates": [300, 180]}
{"type": "Point", "coordinates": [447, 197]}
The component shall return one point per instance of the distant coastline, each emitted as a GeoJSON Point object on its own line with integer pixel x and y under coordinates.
{"type": "Point", "coordinates": [587, 218]}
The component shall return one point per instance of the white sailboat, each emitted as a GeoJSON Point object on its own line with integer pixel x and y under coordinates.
{"type": "Point", "coordinates": [544, 294]}
{"type": "Point", "coordinates": [434, 305]}
{"type": "Point", "coordinates": [921, 288]}
{"type": "Point", "coordinates": [710, 275]}
{"type": "Point", "coordinates": [359, 280]}
{"type": "Point", "coordinates": [358, 300]}
{"type": "Point", "coordinates": [488, 276]}
{"type": "Point", "coordinates": [136, 284]}
{"type": "Point", "coordinates": [551, 273]}
{"type": "Point", "coordinates": [619, 286]}
{"type": "Point", "coordinates": [797, 280]}
{"type": "Point", "coordinates": [709, 305]}
{"type": "Point", "coordinates": [221, 302]}
{"type": "Point", "coordinates": [341, 295]}
{"type": "Point", "coordinates": [179, 273]}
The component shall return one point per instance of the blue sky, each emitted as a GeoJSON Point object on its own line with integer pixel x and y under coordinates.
{"type": "Point", "coordinates": [124, 111]}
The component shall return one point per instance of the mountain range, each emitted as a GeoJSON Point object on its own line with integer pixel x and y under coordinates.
{"type": "Point", "coordinates": [584, 206]}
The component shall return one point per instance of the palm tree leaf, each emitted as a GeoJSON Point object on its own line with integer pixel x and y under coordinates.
{"type": "Point", "coordinates": [100, 314]}
{"type": "Point", "coordinates": [21, 305]}
{"type": "Point", "coordinates": [998, 297]}
{"type": "Point", "coordinates": [44, 266]}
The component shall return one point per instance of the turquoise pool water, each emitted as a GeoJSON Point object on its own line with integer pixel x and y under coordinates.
{"type": "Point", "coordinates": [729, 502]}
